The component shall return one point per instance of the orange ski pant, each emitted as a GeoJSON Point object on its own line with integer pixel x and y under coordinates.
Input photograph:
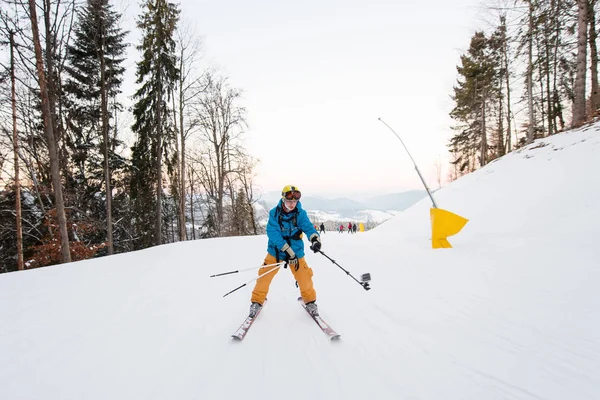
{"type": "Point", "coordinates": [303, 276]}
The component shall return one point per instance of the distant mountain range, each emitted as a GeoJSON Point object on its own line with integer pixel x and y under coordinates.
{"type": "Point", "coordinates": [374, 208]}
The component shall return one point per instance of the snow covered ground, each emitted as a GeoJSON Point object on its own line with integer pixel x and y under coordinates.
{"type": "Point", "coordinates": [511, 312]}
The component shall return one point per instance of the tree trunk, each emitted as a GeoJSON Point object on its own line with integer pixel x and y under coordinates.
{"type": "Point", "coordinates": [220, 181]}
{"type": "Point", "coordinates": [541, 75]}
{"type": "Point", "coordinates": [508, 147]}
{"type": "Point", "coordinates": [182, 229]}
{"type": "Point", "coordinates": [192, 210]}
{"type": "Point", "coordinates": [484, 146]}
{"type": "Point", "coordinates": [178, 167]}
{"type": "Point", "coordinates": [158, 232]}
{"type": "Point", "coordinates": [579, 89]}
{"type": "Point", "coordinates": [105, 136]}
{"type": "Point", "coordinates": [549, 102]}
{"type": "Point", "coordinates": [595, 95]}
{"type": "Point", "coordinates": [49, 129]}
{"type": "Point", "coordinates": [500, 150]}
{"type": "Point", "coordinates": [235, 213]}
{"type": "Point", "coordinates": [50, 71]}
{"type": "Point", "coordinates": [183, 185]}
{"type": "Point", "coordinates": [20, 263]}
{"type": "Point", "coordinates": [556, 106]}
{"type": "Point", "coordinates": [530, 129]}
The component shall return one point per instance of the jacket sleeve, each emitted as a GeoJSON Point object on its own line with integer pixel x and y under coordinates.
{"type": "Point", "coordinates": [305, 224]}
{"type": "Point", "coordinates": [274, 231]}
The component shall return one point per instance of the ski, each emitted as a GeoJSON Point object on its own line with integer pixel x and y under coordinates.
{"type": "Point", "coordinates": [241, 332]}
{"type": "Point", "coordinates": [321, 322]}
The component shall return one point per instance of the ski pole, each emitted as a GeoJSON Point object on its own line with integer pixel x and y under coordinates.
{"type": "Point", "coordinates": [365, 277]}
{"type": "Point", "coordinates": [247, 269]}
{"type": "Point", "coordinates": [255, 279]}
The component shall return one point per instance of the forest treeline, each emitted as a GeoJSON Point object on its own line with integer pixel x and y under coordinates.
{"type": "Point", "coordinates": [82, 174]}
{"type": "Point", "coordinates": [532, 73]}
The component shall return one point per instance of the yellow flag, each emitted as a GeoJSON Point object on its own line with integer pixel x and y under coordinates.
{"type": "Point", "coordinates": [444, 224]}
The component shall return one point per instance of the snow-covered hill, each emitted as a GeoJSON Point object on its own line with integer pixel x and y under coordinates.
{"type": "Point", "coordinates": [511, 312]}
{"type": "Point", "coordinates": [360, 208]}
{"type": "Point", "coordinates": [332, 219]}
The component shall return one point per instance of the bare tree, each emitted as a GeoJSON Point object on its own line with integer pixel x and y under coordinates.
{"type": "Point", "coordinates": [51, 140]}
{"type": "Point", "coordinates": [579, 89]}
{"type": "Point", "coordinates": [593, 34]}
{"type": "Point", "coordinates": [529, 73]}
{"type": "Point", "coordinates": [220, 120]}
{"type": "Point", "coordinates": [20, 263]}
{"type": "Point", "coordinates": [190, 86]}
{"type": "Point", "coordinates": [33, 152]}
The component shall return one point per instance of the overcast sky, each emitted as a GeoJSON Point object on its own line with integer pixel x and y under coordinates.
{"type": "Point", "coordinates": [316, 75]}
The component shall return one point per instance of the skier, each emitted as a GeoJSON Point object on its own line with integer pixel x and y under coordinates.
{"type": "Point", "coordinates": [322, 228]}
{"type": "Point", "coordinates": [287, 223]}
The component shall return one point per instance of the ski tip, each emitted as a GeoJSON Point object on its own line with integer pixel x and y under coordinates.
{"type": "Point", "coordinates": [336, 338]}
{"type": "Point", "coordinates": [236, 338]}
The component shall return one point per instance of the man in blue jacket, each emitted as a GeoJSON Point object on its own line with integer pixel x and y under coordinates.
{"type": "Point", "coordinates": [287, 224]}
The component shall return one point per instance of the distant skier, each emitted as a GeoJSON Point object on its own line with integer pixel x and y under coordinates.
{"type": "Point", "coordinates": [287, 222]}
{"type": "Point", "coordinates": [322, 228]}
{"type": "Point", "coordinates": [349, 227]}
{"type": "Point", "coordinates": [353, 228]}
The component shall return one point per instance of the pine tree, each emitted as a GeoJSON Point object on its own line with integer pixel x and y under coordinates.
{"type": "Point", "coordinates": [157, 73]}
{"type": "Point", "coordinates": [208, 229]}
{"type": "Point", "coordinates": [475, 90]}
{"type": "Point", "coordinates": [242, 215]}
{"type": "Point", "coordinates": [94, 74]}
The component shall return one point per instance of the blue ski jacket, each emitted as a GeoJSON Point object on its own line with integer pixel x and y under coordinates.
{"type": "Point", "coordinates": [287, 228]}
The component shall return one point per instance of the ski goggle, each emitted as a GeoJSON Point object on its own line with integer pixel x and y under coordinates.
{"type": "Point", "coordinates": [292, 195]}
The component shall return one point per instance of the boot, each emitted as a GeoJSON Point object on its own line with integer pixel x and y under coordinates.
{"type": "Point", "coordinates": [254, 309]}
{"type": "Point", "coordinates": [312, 309]}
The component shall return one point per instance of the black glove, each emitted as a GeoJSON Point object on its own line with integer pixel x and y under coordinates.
{"type": "Point", "coordinates": [316, 243]}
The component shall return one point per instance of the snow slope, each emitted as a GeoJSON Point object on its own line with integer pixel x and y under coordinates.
{"type": "Point", "coordinates": [511, 312]}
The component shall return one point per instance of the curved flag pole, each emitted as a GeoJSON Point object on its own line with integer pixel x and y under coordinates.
{"type": "Point", "coordinates": [443, 222]}
{"type": "Point", "coordinates": [414, 163]}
